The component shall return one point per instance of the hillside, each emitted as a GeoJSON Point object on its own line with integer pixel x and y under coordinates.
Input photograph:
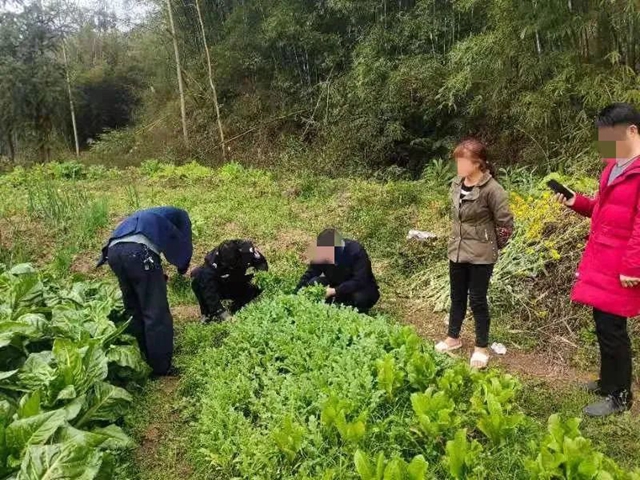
{"type": "Point", "coordinates": [61, 213]}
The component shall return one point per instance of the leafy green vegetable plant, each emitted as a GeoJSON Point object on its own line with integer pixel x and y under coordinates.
{"type": "Point", "coordinates": [62, 349]}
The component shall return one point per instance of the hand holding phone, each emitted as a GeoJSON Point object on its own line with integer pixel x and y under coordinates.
{"type": "Point", "coordinates": [563, 194]}
{"type": "Point", "coordinates": [561, 189]}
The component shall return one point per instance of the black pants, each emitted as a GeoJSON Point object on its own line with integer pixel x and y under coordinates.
{"type": "Point", "coordinates": [615, 353]}
{"type": "Point", "coordinates": [144, 292]}
{"type": "Point", "coordinates": [211, 291]}
{"type": "Point", "coordinates": [470, 284]}
{"type": "Point", "coordinates": [362, 300]}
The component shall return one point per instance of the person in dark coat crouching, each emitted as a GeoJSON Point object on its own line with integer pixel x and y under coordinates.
{"type": "Point", "coordinates": [223, 276]}
{"type": "Point", "coordinates": [133, 253]}
{"type": "Point", "coordinates": [343, 266]}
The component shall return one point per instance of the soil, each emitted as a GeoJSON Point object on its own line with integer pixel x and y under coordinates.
{"type": "Point", "coordinates": [161, 432]}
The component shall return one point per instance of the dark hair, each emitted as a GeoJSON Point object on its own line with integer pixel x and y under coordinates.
{"type": "Point", "coordinates": [478, 151]}
{"type": "Point", "coordinates": [618, 114]}
{"type": "Point", "coordinates": [329, 237]}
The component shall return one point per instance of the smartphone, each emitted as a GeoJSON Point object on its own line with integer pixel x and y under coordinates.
{"type": "Point", "coordinates": [559, 188]}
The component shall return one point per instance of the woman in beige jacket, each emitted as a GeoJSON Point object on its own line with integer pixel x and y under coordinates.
{"type": "Point", "coordinates": [481, 225]}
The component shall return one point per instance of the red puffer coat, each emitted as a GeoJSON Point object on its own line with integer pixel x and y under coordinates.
{"type": "Point", "coordinates": [613, 248]}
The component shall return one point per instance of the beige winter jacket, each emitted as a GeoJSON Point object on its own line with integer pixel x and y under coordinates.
{"type": "Point", "coordinates": [482, 222]}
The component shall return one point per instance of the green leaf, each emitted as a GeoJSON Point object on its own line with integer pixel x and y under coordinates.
{"type": "Point", "coordinates": [34, 430]}
{"type": "Point", "coordinates": [459, 454]}
{"type": "Point", "coordinates": [29, 405]}
{"type": "Point", "coordinates": [394, 470]}
{"type": "Point", "coordinates": [389, 377]}
{"type": "Point", "coordinates": [95, 367]}
{"type": "Point", "coordinates": [68, 361]}
{"type": "Point", "coordinates": [9, 374]}
{"type": "Point", "coordinates": [67, 461]}
{"type": "Point", "coordinates": [111, 437]}
{"type": "Point", "coordinates": [363, 466]}
{"type": "Point", "coordinates": [128, 356]}
{"type": "Point", "coordinates": [417, 469]}
{"type": "Point", "coordinates": [104, 402]}
{"type": "Point", "coordinates": [36, 373]}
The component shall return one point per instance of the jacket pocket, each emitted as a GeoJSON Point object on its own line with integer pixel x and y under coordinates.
{"type": "Point", "coordinates": [482, 234]}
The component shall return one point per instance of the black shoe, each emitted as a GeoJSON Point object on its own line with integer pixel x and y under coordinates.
{"type": "Point", "coordinates": [594, 388]}
{"type": "Point", "coordinates": [611, 405]}
{"type": "Point", "coordinates": [173, 372]}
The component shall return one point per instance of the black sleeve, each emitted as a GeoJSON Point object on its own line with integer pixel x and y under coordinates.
{"type": "Point", "coordinates": [312, 272]}
{"type": "Point", "coordinates": [259, 261]}
{"type": "Point", "coordinates": [207, 284]}
{"type": "Point", "coordinates": [361, 275]}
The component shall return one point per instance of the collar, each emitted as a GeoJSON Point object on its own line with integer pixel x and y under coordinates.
{"type": "Point", "coordinates": [483, 181]}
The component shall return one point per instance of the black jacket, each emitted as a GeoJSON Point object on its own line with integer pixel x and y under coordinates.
{"type": "Point", "coordinates": [229, 262]}
{"type": "Point", "coordinates": [351, 272]}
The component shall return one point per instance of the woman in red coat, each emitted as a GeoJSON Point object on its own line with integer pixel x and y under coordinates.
{"type": "Point", "coordinates": [608, 277]}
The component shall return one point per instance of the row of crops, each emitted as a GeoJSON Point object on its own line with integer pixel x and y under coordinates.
{"type": "Point", "coordinates": [291, 389]}
{"type": "Point", "coordinates": [64, 363]}
{"type": "Point", "coordinates": [302, 390]}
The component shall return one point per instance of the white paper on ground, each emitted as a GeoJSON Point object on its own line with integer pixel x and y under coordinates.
{"type": "Point", "coordinates": [499, 348]}
{"type": "Point", "coordinates": [420, 235]}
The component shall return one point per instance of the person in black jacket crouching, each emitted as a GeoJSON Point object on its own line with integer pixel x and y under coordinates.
{"type": "Point", "coordinates": [343, 266]}
{"type": "Point", "coordinates": [223, 276]}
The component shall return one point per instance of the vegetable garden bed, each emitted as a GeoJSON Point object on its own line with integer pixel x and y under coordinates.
{"type": "Point", "coordinates": [64, 362]}
{"type": "Point", "coordinates": [299, 389]}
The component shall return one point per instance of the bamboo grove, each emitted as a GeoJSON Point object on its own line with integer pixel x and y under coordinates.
{"type": "Point", "coordinates": [371, 82]}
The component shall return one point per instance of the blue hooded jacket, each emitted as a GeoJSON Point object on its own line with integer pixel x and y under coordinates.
{"type": "Point", "coordinates": [168, 228]}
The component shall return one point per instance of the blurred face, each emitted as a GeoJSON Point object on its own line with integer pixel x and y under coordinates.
{"type": "Point", "coordinates": [619, 142]}
{"type": "Point", "coordinates": [323, 255]}
{"type": "Point", "coordinates": [467, 165]}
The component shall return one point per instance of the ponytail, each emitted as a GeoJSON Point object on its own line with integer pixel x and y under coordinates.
{"type": "Point", "coordinates": [491, 169]}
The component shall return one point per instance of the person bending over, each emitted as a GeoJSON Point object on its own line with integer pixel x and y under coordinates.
{"type": "Point", "coordinates": [344, 268]}
{"type": "Point", "coordinates": [133, 253]}
{"type": "Point", "coordinates": [223, 276]}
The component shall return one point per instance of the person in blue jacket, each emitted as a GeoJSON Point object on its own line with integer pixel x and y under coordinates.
{"type": "Point", "coordinates": [344, 268]}
{"type": "Point", "coordinates": [133, 253]}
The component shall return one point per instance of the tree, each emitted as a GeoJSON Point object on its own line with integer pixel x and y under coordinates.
{"type": "Point", "coordinates": [211, 82]}
{"type": "Point", "coordinates": [183, 110]}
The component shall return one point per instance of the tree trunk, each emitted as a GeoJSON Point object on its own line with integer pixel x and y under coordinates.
{"type": "Point", "coordinates": [183, 108]}
{"type": "Point", "coordinates": [71, 106]}
{"type": "Point", "coordinates": [211, 82]}
{"type": "Point", "coordinates": [12, 148]}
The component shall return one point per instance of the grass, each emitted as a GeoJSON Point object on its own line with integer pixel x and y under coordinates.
{"type": "Point", "coordinates": [63, 225]}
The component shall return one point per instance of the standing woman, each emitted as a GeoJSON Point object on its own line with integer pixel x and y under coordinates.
{"type": "Point", "coordinates": [133, 252]}
{"type": "Point", "coordinates": [482, 225]}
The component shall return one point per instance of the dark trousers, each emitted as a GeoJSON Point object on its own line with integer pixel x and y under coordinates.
{"type": "Point", "coordinates": [615, 353]}
{"type": "Point", "coordinates": [144, 292]}
{"type": "Point", "coordinates": [470, 284]}
{"type": "Point", "coordinates": [210, 292]}
{"type": "Point", "coordinates": [362, 300]}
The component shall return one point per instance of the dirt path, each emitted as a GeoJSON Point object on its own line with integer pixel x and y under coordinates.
{"type": "Point", "coordinates": [552, 370]}
{"type": "Point", "coordinates": [163, 439]}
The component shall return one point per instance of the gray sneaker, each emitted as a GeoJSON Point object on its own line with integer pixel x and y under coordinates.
{"type": "Point", "coordinates": [608, 406]}
{"type": "Point", "coordinates": [224, 316]}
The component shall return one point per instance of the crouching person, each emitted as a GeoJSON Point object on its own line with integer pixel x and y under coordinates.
{"type": "Point", "coordinates": [133, 253]}
{"type": "Point", "coordinates": [223, 276]}
{"type": "Point", "coordinates": [342, 266]}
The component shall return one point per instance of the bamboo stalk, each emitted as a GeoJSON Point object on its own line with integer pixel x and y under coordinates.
{"type": "Point", "coordinates": [71, 105]}
{"type": "Point", "coordinates": [183, 108]}
{"type": "Point", "coordinates": [211, 82]}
